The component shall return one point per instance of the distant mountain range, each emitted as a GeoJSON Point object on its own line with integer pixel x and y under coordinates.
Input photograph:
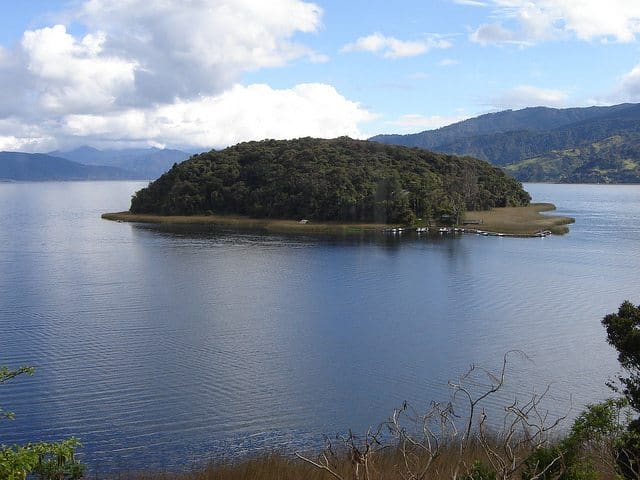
{"type": "Point", "coordinates": [87, 163]}
{"type": "Point", "coordinates": [18, 166]}
{"type": "Point", "coordinates": [592, 145]}
{"type": "Point", "coordinates": [147, 163]}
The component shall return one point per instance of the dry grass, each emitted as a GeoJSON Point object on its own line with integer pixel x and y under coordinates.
{"type": "Point", "coordinates": [388, 466]}
{"type": "Point", "coordinates": [512, 220]}
{"type": "Point", "coordinates": [240, 222]}
{"type": "Point", "coordinates": [521, 220]}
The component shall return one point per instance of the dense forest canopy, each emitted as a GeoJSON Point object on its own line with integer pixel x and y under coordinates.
{"type": "Point", "coordinates": [338, 180]}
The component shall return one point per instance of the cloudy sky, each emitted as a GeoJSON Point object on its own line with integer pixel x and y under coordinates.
{"type": "Point", "coordinates": [200, 74]}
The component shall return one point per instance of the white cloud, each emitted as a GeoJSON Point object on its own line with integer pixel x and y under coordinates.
{"type": "Point", "coordinates": [139, 53]}
{"type": "Point", "coordinates": [491, 33]}
{"type": "Point", "coordinates": [530, 21]}
{"type": "Point", "coordinates": [530, 96]}
{"type": "Point", "coordinates": [628, 88]}
{"type": "Point", "coordinates": [242, 113]}
{"type": "Point", "coordinates": [73, 75]}
{"type": "Point", "coordinates": [17, 134]}
{"type": "Point", "coordinates": [422, 122]}
{"type": "Point", "coordinates": [201, 48]}
{"type": "Point", "coordinates": [150, 73]}
{"type": "Point", "coordinates": [390, 47]}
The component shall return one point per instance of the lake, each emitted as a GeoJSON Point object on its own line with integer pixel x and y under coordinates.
{"type": "Point", "coordinates": [165, 347]}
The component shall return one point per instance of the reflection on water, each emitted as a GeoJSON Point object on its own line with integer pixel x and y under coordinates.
{"type": "Point", "coordinates": [160, 346]}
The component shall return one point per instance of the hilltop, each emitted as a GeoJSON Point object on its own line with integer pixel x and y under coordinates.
{"type": "Point", "coordinates": [593, 144]}
{"type": "Point", "coordinates": [328, 180]}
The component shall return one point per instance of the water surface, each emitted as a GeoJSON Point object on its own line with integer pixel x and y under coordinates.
{"type": "Point", "coordinates": [164, 347]}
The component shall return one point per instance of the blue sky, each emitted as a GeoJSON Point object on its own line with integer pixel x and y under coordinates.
{"type": "Point", "coordinates": [209, 73]}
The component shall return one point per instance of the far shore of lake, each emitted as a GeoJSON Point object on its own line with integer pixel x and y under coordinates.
{"type": "Point", "coordinates": [509, 220]}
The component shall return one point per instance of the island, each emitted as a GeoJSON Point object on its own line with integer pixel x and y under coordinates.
{"type": "Point", "coordinates": [318, 185]}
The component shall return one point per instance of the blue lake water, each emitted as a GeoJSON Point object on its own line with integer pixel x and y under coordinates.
{"type": "Point", "coordinates": [164, 347]}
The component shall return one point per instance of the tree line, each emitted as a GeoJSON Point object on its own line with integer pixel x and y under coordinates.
{"type": "Point", "coordinates": [336, 180]}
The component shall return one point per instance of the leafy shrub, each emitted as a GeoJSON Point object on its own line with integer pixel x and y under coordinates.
{"type": "Point", "coordinates": [48, 461]}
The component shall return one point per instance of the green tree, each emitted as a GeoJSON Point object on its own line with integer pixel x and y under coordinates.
{"type": "Point", "coordinates": [48, 461]}
{"type": "Point", "coordinates": [623, 333]}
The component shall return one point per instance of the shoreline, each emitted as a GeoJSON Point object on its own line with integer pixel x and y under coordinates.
{"type": "Point", "coordinates": [527, 221]}
{"type": "Point", "coordinates": [509, 221]}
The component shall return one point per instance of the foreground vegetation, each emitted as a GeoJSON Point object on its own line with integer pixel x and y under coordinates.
{"type": "Point", "coordinates": [340, 180]}
{"type": "Point", "coordinates": [453, 440]}
{"type": "Point", "coordinates": [44, 460]}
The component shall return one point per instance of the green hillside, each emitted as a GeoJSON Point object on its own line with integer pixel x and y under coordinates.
{"type": "Point", "coordinates": [613, 160]}
{"type": "Point", "coordinates": [592, 145]}
{"type": "Point", "coordinates": [533, 120]}
{"type": "Point", "coordinates": [337, 180]}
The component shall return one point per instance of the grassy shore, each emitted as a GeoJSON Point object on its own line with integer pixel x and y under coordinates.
{"type": "Point", "coordinates": [512, 220]}
{"type": "Point", "coordinates": [520, 220]}
{"type": "Point", "coordinates": [246, 223]}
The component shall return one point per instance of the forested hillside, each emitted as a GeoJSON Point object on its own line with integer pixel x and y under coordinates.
{"type": "Point", "coordinates": [615, 159]}
{"type": "Point", "coordinates": [595, 144]}
{"type": "Point", "coordinates": [533, 119]}
{"type": "Point", "coordinates": [340, 179]}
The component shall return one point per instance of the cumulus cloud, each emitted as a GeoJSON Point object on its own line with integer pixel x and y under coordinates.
{"type": "Point", "coordinates": [200, 47]}
{"type": "Point", "coordinates": [627, 90]}
{"type": "Point", "coordinates": [390, 47]}
{"type": "Point", "coordinates": [531, 21]}
{"type": "Point", "coordinates": [72, 75]}
{"type": "Point", "coordinates": [239, 114]}
{"type": "Point", "coordinates": [166, 73]}
{"type": "Point", "coordinates": [493, 33]}
{"type": "Point", "coordinates": [530, 96]}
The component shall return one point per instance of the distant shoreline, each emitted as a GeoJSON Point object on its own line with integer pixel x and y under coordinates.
{"type": "Point", "coordinates": [524, 221]}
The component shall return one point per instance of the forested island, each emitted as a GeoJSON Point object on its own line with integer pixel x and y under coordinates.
{"type": "Point", "coordinates": [341, 180]}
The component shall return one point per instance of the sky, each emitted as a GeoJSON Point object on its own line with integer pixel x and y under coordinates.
{"type": "Point", "coordinates": [202, 74]}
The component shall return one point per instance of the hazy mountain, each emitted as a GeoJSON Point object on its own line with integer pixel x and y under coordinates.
{"type": "Point", "coordinates": [595, 144]}
{"type": "Point", "coordinates": [145, 162]}
{"type": "Point", "coordinates": [19, 166]}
